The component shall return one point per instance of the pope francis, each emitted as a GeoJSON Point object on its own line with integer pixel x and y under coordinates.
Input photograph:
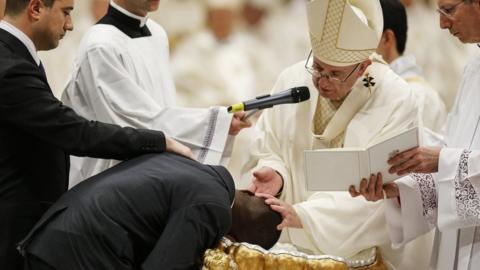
{"type": "Point", "coordinates": [357, 100]}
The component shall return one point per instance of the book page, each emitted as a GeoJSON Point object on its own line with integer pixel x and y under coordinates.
{"type": "Point", "coordinates": [380, 153]}
{"type": "Point", "coordinates": [334, 170]}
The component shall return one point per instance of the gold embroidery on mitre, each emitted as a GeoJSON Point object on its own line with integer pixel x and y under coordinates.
{"type": "Point", "coordinates": [327, 46]}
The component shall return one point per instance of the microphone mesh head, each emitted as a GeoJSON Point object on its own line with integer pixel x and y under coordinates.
{"type": "Point", "coordinates": [301, 94]}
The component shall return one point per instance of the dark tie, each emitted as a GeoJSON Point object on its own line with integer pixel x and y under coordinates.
{"type": "Point", "coordinates": [42, 69]}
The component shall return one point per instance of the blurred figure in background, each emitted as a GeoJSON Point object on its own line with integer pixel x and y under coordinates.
{"type": "Point", "coordinates": [254, 39]}
{"type": "Point", "coordinates": [289, 43]}
{"type": "Point", "coordinates": [443, 70]}
{"type": "Point", "coordinates": [210, 67]}
{"type": "Point", "coordinates": [216, 66]}
{"type": "Point", "coordinates": [392, 47]}
{"type": "Point", "coordinates": [180, 18]}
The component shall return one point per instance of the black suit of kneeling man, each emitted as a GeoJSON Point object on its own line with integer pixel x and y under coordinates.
{"type": "Point", "coordinates": [152, 212]}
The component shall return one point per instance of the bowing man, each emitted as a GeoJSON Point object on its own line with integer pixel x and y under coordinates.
{"type": "Point", "coordinates": [152, 212]}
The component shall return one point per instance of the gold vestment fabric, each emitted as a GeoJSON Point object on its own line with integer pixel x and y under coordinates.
{"type": "Point", "coordinates": [323, 115]}
{"type": "Point", "coordinates": [241, 256]}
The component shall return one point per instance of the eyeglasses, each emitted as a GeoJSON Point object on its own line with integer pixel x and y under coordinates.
{"type": "Point", "coordinates": [331, 78]}
{"type": "Point", "coordinates": [450, 11]}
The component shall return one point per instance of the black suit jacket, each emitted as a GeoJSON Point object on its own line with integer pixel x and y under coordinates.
{"type": "Point", "coordinates": [37, 135]}
{"type": "Point", "coordinates": [152, 212]}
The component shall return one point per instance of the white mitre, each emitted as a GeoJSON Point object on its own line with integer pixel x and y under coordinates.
{"type": "Point", "coordinates": [220, 4]}
{"type": "Point", "coordinates": [344, 32]}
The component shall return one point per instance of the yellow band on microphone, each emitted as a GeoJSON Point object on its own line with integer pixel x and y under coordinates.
{"type": "Point", "coordinates": [236, 108]}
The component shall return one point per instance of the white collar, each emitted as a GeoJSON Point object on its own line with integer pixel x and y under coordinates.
{"type": "Point", "coordinates": [143, 20]}
{"type": "Point", "coordinates": [23, 38]}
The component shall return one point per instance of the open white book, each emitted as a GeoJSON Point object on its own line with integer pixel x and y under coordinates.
{"type": "Point", "coordinates": [336, 169]}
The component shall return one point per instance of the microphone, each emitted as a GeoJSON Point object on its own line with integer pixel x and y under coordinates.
{"type": "Point", "coordinates": [292, 95]}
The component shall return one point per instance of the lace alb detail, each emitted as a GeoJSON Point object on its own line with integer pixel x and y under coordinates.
{"type": "Point", "coordinates": [466, 197]}
{"type": "Point", "coordinates": [428, 191]}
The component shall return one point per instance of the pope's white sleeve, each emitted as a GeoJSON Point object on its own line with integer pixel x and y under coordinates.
{"type": "Point", "coordinates": [267, 149]}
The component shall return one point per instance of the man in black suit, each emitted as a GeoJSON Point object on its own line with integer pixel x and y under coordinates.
{"type": "Point", "coordinates": [38, 133]}
{"type": "Point", "coordinates": [152, 212]}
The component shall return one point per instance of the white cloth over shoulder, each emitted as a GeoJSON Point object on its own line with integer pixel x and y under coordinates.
{"type": "Point", "coordinates": [431, 106]}
{"type": "Point", "coordinates": [448, 200]}
{"type": "Point", "coordinates": [125, 81]}
{"type": "Point", "coordinates": [334, 223]}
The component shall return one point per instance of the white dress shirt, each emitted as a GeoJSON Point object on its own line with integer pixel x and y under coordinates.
{"type": "Point", "coordinates": [22, 37]}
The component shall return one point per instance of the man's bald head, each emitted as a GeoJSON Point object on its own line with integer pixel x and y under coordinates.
{"type": "Point", "coordinates": [253, 221]}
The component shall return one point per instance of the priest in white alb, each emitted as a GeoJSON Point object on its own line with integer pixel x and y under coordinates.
{"type": "Point", "coordinates": [443, 191]}
{"type": "Point", "coordinates": [122, 76]}
{"type": "Point", "coordinates": [356, 101]}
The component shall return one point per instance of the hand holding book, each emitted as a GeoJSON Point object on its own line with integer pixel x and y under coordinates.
{"type": "Point", "coordinates": [374, 190]}
{"type": "Point", "coordinates": [417, 160]}
{"type": "Point", "coordinates": [338, 169]}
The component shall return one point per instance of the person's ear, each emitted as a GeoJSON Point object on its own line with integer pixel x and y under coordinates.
{"type": "Point", "coordinates": [382, 44]}
{"type": "Point", "coordinates": [34, 9]}
{"type": "Point", "coordinates": [383, 39]}
{"type": "Point", "coordinates": [390, 39]}
{"type": "Point", "coordinates": [363, 66]}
